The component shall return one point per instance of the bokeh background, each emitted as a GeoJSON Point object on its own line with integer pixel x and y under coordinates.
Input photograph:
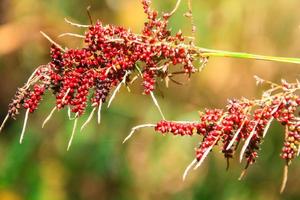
{"type": "Point", "coordinates": [149, 166]}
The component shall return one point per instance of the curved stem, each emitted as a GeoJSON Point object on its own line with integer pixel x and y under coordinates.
{"type": "Point", "coordinates": [175, 8]}
{"type": "Point", "coordinates": [3, 122]}
{"type": "Point", "coordinates": [73, 133]}
{"type": "Point", "coordinates": [285, 177]}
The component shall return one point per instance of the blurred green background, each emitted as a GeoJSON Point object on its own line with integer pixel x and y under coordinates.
{"type": "Point", "coordinates": [149, 166]}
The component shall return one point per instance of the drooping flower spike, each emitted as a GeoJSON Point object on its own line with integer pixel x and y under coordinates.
{"type": "Point", "coordinates": [237, 125]}
{"type": "Point", "coordinates": [110, 58]}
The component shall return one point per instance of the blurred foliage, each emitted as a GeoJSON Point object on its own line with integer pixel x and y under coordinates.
{"type": "Point", "coordinates": [149, 166]}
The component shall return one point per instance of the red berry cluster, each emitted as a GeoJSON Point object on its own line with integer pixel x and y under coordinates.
{"type": "Point", "coordinates": [102, 89]}
{"type": "Point", "coordinates": [177, 128]}
{"type": "Point", "coordinates": [34, 98]}
{"type": "Point", "coordinates": [112, 55]}
{"type": "Point", "coordinates": [148, 81]}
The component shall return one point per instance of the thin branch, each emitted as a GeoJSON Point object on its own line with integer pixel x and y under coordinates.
{"type": "Point", "coordinates": [188, 168]}
{"type": "Point", "coordinates": [114, 94]}
{"type": "Point", "coordinates": [51, 41]}
{"type": "Point", "coordinates": [89, 14]}
{"type": "Point", "coordinates": [76, 24]}
{"type": "Point", "coordinates": [117, 89]}
{"type": "Point", "coordinates": [268, 126]}
{"type": "Point", "coordinates": [157, 105]}
{"type": "Point", "coordinates": [32, 75]}
{"type": "Point", "coordinates": [99, 112]}
{"type": "Point", "coordinates": [88, 119]}
{"type": "Point", "coordinates": [175, 8]}
{"type": "Point", "coordinates": [49, 116]}
{"type": "Point", "coordinates": [136, 128]}
{"type": "Point", "coordinates": [134, 79]}
{"type": "Point", "coordinates": [285, 177]}
{"type": "Point", "coordinates": [72, 35]}
{"type": "Point", "coordinates": [64, 97]}
{"type": "Point", "coordinates": [190, 16]}
{"type": "Point", "coordinates": [31, 82]}
{"type": "Point", "coordinates": [3, 122]}
{"type": "Point", "coordinates": [69, 113]}
{"type": "Point", "coordinates": [248, 141]}
{"type": "Point", "coordinates": [24, 126]}
{"type": "Point", "coordinates": [243, 174]}
{"type": "Point", "coordinates": [73, 133]}
{"type": "Point", "coordinates": [138, 69]}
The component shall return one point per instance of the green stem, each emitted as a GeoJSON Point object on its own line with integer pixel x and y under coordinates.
{"type": "Point", "coordinates": [219, 53]}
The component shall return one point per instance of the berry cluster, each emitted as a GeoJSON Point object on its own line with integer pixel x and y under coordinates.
{"type": "Point", "coordinates": [176, 128]}
{"type": "Point", "coordinates": [292, 143]}
{"type": "Point", "coordinates": [34, 98]}
{"type": "Point", "coordinates": [148, 81]}
{"type": "Point", "coordinates": [16, 103]}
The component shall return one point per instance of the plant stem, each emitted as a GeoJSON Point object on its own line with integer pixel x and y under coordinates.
{"type": "Point", "coordinates": [219, 53]}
